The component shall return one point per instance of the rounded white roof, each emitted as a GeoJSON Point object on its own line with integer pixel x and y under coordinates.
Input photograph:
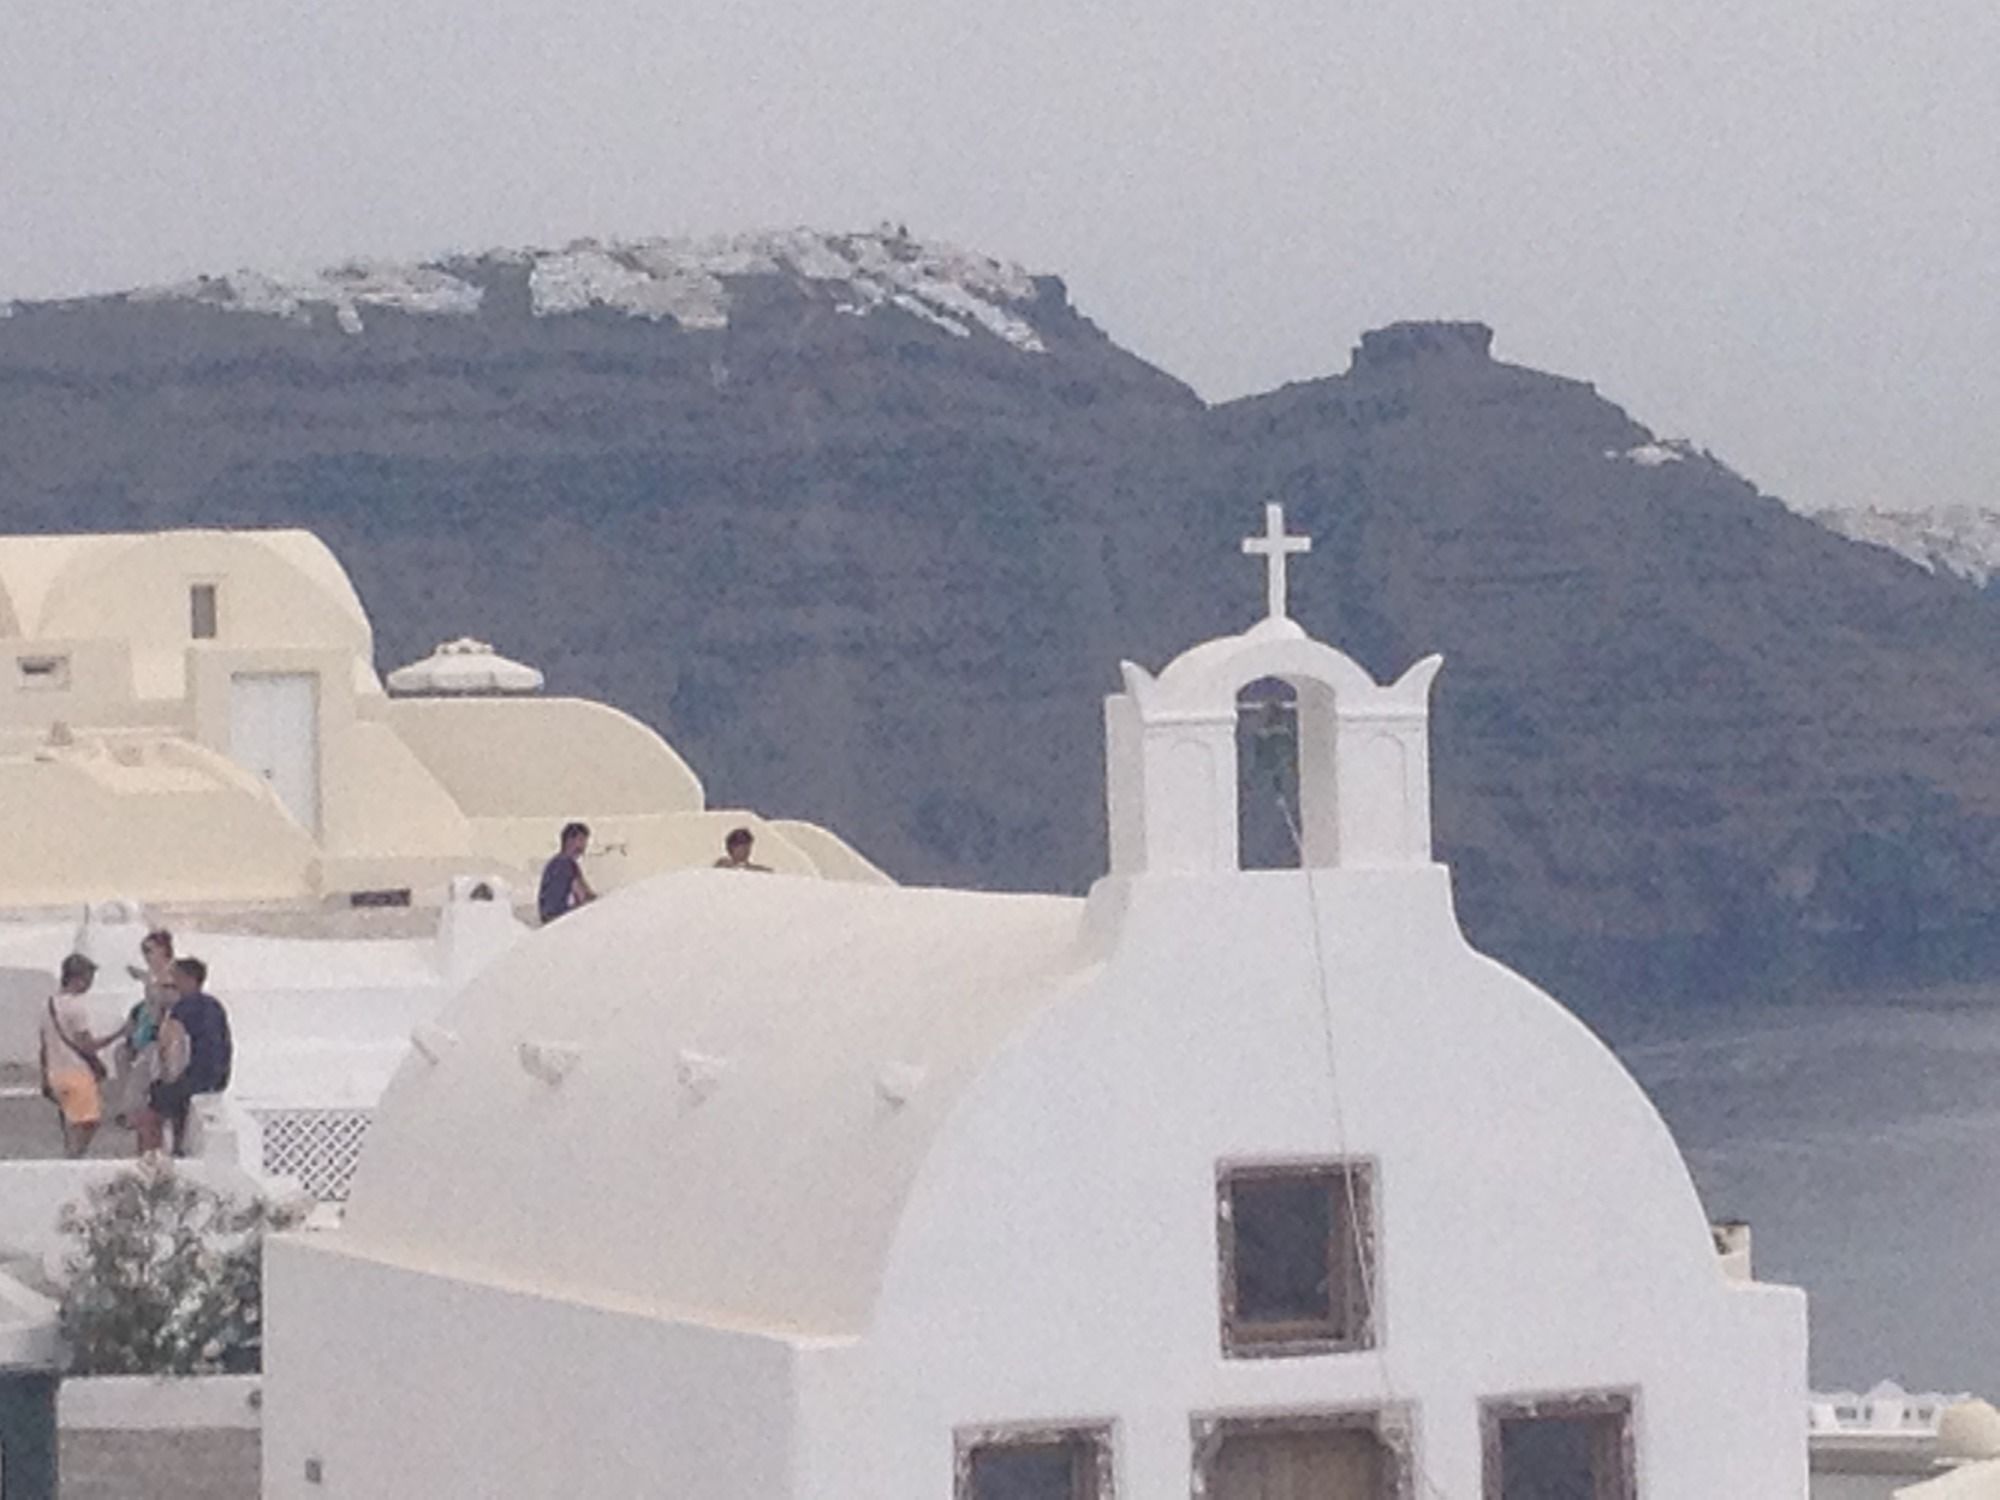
{"type": "Point", "coordinates": [707, 1095]}
{"type": "Point", "coordinates": [1208, 676]}
{"type": "Point", "coordinates": [33, 567]}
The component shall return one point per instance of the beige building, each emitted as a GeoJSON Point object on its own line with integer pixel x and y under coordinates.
{"type": "Point", "coordinates": [195, 716]}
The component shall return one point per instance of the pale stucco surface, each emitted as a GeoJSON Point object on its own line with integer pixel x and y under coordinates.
{"type": "Point", "coordinates": [85, 822]}
{"type": "Point", "coordinates": [571, 752]}
{"type": "Point", "coordinates": [745, 1025]}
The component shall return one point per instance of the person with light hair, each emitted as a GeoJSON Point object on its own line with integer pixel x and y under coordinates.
{"type": "Point", "coordinates": [136, 1044]}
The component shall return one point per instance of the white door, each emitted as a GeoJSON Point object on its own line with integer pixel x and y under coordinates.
{"type": "Point", "coordinates": [274, 733]}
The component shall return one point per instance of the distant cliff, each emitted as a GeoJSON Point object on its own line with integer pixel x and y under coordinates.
{"type": "Point", "coordinates": [865, 524]}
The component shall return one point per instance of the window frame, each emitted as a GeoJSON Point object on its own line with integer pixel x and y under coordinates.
{"type": "Point", "coordinates": [1358, 1208]}
{"type": "Point", "coordinates": [1096, 1436]}
{"type": "Point", "coordinates": [1392, 1425]}
{"type": "Point", "coordinates": [1619, 1402]}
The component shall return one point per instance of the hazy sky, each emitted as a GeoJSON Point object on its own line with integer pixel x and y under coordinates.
{"type": "Point", "coordinates": [1769, 225]}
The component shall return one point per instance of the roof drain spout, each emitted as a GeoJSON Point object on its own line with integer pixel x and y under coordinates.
{"type": "Point", "coordinates": [549, 1062]}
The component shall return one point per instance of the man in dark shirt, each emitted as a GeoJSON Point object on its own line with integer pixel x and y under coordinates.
{"type": "Point", "coordinates": [210, 1049]}
{"type": "Point", "coordinates": [736, 853]}
{"type": "Point", "coordinates": [563, 885]}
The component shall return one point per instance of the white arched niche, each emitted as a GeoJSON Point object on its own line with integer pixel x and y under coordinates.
{"type": "Point", "coordinates": [1363, 756]}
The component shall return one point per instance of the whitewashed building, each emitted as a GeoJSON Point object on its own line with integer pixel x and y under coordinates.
{"type": "Point", "coordinates": [1246, 1184]}
{"type": "Point", "coordinates": [194, 718]}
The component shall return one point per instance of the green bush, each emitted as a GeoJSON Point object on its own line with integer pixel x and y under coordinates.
{"type": "Point", "coordinates": [164, 1276]}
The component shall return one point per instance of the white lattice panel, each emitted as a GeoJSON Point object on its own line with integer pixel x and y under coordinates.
{"type": "Point", "coordinates": [319, 1147]}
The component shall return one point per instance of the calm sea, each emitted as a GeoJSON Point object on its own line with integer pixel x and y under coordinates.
{"type": "Point", "coordinates": [1860, 1137]}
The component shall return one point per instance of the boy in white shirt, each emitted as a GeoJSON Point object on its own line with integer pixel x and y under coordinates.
{"type": "Point", "coordinates": [72, 1077]}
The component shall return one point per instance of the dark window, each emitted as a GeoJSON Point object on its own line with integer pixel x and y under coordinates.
{"type": "Point", "coordinates": [1298, 1252]}
{"type": "Point", "coordinates": [1268, 830]}
{"type": "Point", "coordinates": [1576, 1448]}
{"type": "Point", "coordinates": [202, 611]}
{"type": "Point", "coordinates": [1041, 1465]}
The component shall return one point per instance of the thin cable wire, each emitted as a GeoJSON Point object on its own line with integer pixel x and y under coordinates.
{"type": "Point", "coordinates": [1364, 1243]}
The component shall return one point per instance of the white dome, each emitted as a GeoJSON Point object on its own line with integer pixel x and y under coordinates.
{"type": "Point", "coordinates": [708, 1094]}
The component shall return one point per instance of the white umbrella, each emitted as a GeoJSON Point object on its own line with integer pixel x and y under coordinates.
{"type": "Point", "coordinates": [465, 666]}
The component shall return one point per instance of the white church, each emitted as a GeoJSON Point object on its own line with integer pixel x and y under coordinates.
{"type": "Point", "coordinates": [1239, 1184]}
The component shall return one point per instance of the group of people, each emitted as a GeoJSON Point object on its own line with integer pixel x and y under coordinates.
{"type": "Point", "coordinates": [564, 889]}
{"type": "Point", "coordinates": [174, 1045]}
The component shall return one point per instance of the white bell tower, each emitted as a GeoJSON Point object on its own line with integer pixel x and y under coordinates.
{"type": "Point", "coordinates": [1364, 748]}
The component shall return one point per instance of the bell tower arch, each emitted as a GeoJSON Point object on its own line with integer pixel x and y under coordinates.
{"type": "Point", "coordinates": [1363, 747]}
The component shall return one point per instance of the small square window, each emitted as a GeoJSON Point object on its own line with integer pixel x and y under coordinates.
{"type": "Point", "coordinates": [1298, 1258]}
{"type": "Point", "coordinates": [49, 674]}
{"type": "Point", "coordinates": [1059, 1463]}
{"type": "Point", "coordinates": [1560, 1448]}
{"type": "Point", "coordinates": [202, 612]}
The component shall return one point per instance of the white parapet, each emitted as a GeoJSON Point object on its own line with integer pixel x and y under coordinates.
{"type": "Point", "coordinates": [160, 1403]}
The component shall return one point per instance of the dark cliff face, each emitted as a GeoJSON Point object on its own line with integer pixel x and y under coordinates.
{"type": "Point", "coordinates": [1671, 707]}
{"type": "Point", "coordinates": [874, 572]}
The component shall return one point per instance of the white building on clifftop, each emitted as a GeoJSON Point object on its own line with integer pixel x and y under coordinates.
{"type": "Point", "coordinates": [1241, 1184]}
{"type": "Point", "coordinates": [194, 717]}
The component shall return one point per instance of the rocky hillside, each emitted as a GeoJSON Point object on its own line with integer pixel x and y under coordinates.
{"type": "Point", "coordinates": [864, 524]}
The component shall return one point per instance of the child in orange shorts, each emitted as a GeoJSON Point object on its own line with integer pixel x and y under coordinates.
{"type": "Point", "coordinates": [72, 1077]}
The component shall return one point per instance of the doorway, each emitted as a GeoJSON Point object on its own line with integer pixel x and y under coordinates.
{"type": "Point", "coordinates": [274, 734]}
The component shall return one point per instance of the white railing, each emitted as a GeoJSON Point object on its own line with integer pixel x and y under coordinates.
{"type": "Point", "coordinates": [318, 1148]}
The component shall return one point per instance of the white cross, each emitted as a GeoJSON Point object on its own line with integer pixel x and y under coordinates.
{"type": "Point", "coordinates": [1274, 547]}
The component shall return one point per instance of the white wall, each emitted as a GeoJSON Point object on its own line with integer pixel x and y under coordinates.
{"type": "Point", "coordinates": [1540, 1233]}
{"type": "Point", "coordinates": [324, 1048]}
{"type": "Point", "coordinates": [23, 992]}
{"type": "Point", "coordinates": [550, 1400]}
{"type": "Point", "coordinates": [153, 1403]}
